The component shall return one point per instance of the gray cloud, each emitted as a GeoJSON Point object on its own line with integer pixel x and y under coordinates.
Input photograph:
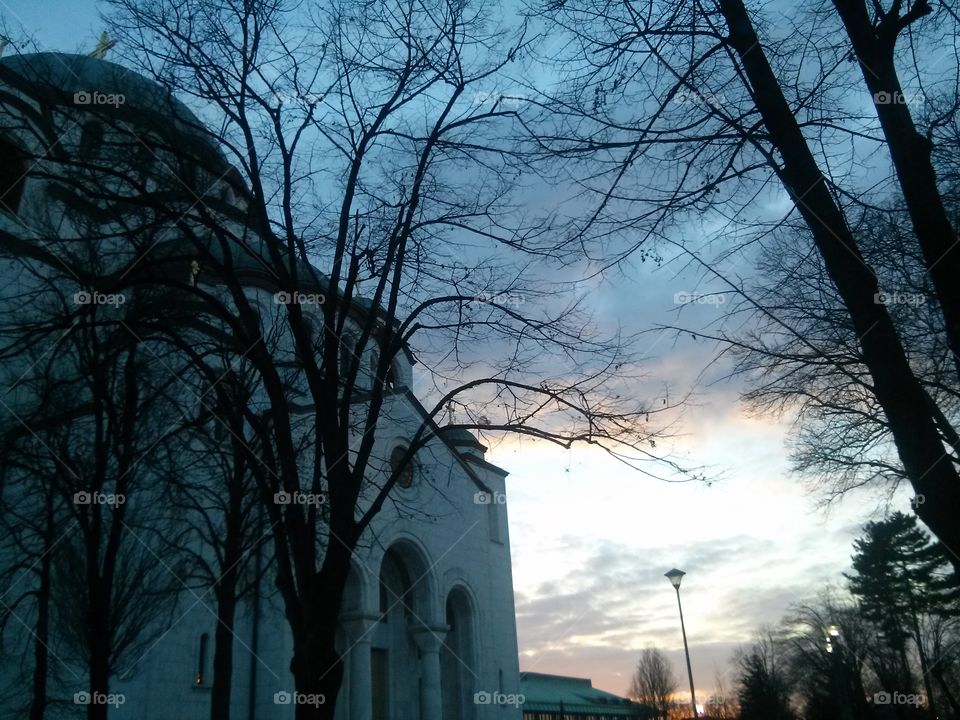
{"type": "Point", "coordinates": [604, 610]}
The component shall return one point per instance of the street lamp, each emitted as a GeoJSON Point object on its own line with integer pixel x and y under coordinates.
{"type": "Point", "coordinates": [675, 576]}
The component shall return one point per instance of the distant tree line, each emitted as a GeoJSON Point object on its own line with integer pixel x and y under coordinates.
{"type": "Point", "coordinates": [888, 646]}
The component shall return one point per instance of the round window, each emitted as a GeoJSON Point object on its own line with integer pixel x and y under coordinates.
{"type": "Point", "coordinates": [405, 478]}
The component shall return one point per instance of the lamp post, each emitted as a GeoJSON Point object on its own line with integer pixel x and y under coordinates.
{"type": "Point", "coordinates": [675, 576]}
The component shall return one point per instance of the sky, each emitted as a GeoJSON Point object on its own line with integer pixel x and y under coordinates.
{"type": "Point", "coordinates": [591, 538]}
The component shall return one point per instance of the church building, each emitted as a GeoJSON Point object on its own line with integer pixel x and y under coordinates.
{"type": "Point", "coordinates": [428, 629]}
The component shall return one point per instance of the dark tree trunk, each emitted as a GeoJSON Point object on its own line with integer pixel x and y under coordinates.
{"type": "Point", "coordinates": [318, 673]}
{"type": "Point", "coordinates": [317, 666]}
{"type": "Point", "coordinates": [924, 664]}
{"type": "Point", "coordinates": [317, 670]}
{"type": "Point", "coordinates": [222, 686]}
{"type": "Point", "coordinates": [896, 388]}
{"type": "Point", "coordinates": [226, 593]}
{"type": "Point", "coordinates": [856, 696]}
{"type": "Point", "coordinates": [910, 151]}
{"type": "Point", "coordinates": [99, 647]}
{"type": "Point", "coordinates": [38, 703]}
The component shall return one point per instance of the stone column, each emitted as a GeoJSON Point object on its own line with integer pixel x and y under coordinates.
{"type": "Point", "coordinates": [429, 641]}
{"type": "Point", "coordinates": [359, 632]}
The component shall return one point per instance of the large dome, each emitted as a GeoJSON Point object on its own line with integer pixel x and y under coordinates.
{"type": "Point", "coordinates": [55, 78]}
{"type": "Point", "coordinates": [66, 79]}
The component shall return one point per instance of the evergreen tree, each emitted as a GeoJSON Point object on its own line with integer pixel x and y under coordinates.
{"type": "Point", "coordinates": [763, 694]}
{"type": "Point", "coordinates": [901, 579]}
{"type": "Point", "coordinates": [764, 690]}
{"type": "Point", "coordinates": [900, 572]}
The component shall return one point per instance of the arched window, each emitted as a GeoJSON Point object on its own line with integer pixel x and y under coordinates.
{"type": "Point", "coordinates": [143, 157]}
{"type": "Point", "coordinates": [395, 587]}
{"type": "Point", "coordinates": [230, 185]}
{"type": "Point", "coordinates": [390, 376]}
{"type": "Point", "coordinates": [348, 349]}
{"type": "Point", "coordinates": [493, 518]}
{"type": "Point", "coordinates": [12, 173]}
{"type": "Point", "coordinates": [406, 476]}
{"type": "Point", "coordinates": [189, 175]}
{"type": "Point", "coordinates": [91, 137]}
{"type": "Point", "coordinates": [202, 652]}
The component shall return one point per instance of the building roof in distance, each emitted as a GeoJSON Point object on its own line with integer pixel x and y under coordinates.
{"type": "Point", "coordinates": [574, 696]}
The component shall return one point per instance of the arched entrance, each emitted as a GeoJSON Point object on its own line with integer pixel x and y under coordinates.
{"type": "Point", "coordinates": [458, 655]}
{"type": "Point", "coordinates": [397, 656]}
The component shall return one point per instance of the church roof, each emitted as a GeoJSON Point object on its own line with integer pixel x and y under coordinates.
{"type": "Point", "coordinates": [574, 696]}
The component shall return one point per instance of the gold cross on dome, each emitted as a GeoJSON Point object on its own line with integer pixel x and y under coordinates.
{"type": "Point", "coordinates": [103, 44]}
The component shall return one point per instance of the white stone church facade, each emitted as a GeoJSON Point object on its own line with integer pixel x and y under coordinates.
{"type": "Point", "coordinates": [449, 653]}
{"type": "Point", "coordinates": [428, 630]}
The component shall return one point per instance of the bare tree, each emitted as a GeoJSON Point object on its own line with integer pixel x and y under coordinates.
{"type": "Point", "coordinates": [92, 405]}
{"type": "Point", "coordinates": [653, 681]}
{"type": "Point", "coordinates": [802, 357]}
{"type": "Point", "coordinates": [216, 525]}
{"type": "Point", "coordinates": [28, 554]}
{"type": "Point", "coordinates": [828, 648]}
{"type": "Point", "coordinates": [89, 420]}
{"type": "Point", "coordinates": [943, 638]}
{"type": "Point", "coordinates": [719, 109]}
{"type": "Point", "coordinates": [722, 705]}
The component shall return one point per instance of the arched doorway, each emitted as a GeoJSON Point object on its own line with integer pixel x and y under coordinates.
{"type": "Point", "coordinates": [404, 603]}
{"type": "Point", "coordinates": [458, 671]}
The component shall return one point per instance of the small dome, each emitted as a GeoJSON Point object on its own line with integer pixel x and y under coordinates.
{"type": "Point", "coordinates": [460, 437]}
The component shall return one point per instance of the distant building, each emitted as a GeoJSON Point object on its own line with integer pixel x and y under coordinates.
{"type": "Point", "coordinates": [557, 697]}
